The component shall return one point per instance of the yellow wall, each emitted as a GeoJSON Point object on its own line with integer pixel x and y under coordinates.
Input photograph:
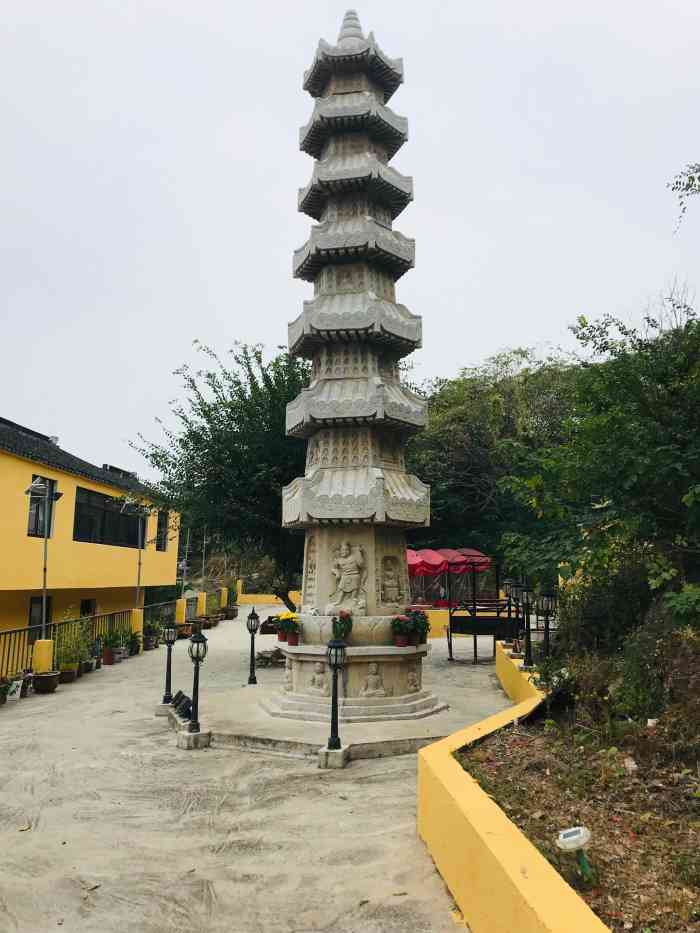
{"type": "Point", "coordinates": [499, 880]}
{"type": "Point", "coordinates": [72, 564]}
{"type": "Point", "coordinates": [14, 604]}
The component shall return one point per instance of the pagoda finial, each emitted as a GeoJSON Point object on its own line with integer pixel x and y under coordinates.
{"type": "Point", "coordinates": [351, 29]}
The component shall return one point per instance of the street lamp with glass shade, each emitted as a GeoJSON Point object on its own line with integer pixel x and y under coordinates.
{"type": "Point", "coordinates": [528, 597]}
{"type": "Point", "coordinates": [41, 488]}
{"type": "Point", "coordinates": [169, 634]}
{"type": "Point", "coordinates": [252, 624]}
{"type": "Point", "coordinates": [197, 650]}
{"type": "Point", "coordinates": [335, 654]}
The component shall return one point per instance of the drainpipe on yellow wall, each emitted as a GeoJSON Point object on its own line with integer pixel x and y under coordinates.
{"type": "Point", "coordinates": [42, 656]}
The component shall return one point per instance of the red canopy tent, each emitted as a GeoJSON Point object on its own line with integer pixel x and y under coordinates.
{"type": "Point", "coordinates": [448, 561]}
{"type": "Point", "coordinates": [429, 563]}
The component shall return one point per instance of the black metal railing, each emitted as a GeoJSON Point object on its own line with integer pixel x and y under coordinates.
{"type": "Point", "coordinates": [68, 636]}
{"type": "Point", "coordinates": [159, 613]}
{"type": "Point", "coordinates": [16, 646]}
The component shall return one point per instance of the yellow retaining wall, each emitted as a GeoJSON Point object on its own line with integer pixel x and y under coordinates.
{"type": "Point", "coordinates": [180, 611]}
{"type": "Point", "coordinates": [264, 599]}
{"type": "Point", "coordinates": [223, 597]}
{"type": "Point", "coordinates": [499, 880]}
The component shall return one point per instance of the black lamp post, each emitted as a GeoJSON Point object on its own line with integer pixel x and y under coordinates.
{"type": "Point", "coordinates": [252, 624]}
{"type": "Point", "coordinates": [545, 607]}
{"type": "Point", "coordinates": [169, 637]}
{"type": "Point", "coordinates": [198, 652]}
{"type": "Point", "coordinates": [336, 659]}
{"type": "Point", "coordinates": [527, 597]}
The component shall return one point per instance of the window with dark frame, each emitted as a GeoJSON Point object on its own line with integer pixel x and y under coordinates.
{"type": "Point", "coordinates": [37, 507]}
{"type": "Point", "coordinates": [88, 607]}
{"type": "Point", "coordinates": [35, 608]}
{"type": "Point", "coordinates": [162, 531]}
{"type": "Point", "coordinates": [99, 519]}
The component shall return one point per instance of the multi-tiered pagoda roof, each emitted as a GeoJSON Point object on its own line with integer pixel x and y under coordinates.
{"type": "Point", "coordinates": [356, 412]}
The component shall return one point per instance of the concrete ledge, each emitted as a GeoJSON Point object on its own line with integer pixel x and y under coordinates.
{"type": "Point", "coordinates": [499, 880]}
{"type": "Point", "coordinates": [162, 709]}
{"type": "Point", "coordinates": [193, 739]}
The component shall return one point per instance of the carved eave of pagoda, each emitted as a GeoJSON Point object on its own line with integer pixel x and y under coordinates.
{"type": "Point", "coordinates": [356, 496]}
{"type": "Point", "coordinates": [368, 400]}
{"type": "Point", "coordinates": [365, 56]}
{"type": "Point", "coordinates": [356, 316]}
{"type": "Point", "coordinates": [346, 113]}
{"type": "Point", "coordinates": [365, 173]}
{"type": "Point", "coordinates": [360, 239]}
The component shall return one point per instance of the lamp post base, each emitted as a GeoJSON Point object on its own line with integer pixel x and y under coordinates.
{"type": "Point", "coordinates": [191, 740]}
{"type": "Point", "coordinates": [334, 758]}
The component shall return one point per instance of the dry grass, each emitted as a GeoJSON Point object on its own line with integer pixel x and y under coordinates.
{"type": "Point", "coordinates": [644, 817]}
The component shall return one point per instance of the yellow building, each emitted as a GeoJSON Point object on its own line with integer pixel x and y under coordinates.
{"type": "Point", "coordinates": [95, 529]}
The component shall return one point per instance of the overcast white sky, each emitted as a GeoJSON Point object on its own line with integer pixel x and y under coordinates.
{"type": "Point", "coordinates": [149, 169]}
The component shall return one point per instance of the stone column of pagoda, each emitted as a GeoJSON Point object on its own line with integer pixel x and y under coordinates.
{"type": "Point", "coordinates": [356, 499]}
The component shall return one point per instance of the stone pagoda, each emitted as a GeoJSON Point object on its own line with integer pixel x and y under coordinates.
{"type": "Point", "coordinates": [356, 499]}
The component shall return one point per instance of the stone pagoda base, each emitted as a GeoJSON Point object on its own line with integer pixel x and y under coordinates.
{"type": "Point", "coordinates": [378, 682]}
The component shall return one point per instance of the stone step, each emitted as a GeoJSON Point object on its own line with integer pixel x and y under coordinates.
{"type": "Point", "coordinates": [359, 714]}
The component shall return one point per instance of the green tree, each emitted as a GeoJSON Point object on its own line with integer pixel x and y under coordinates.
{"type": "Point", "coordinates": [626, 474]}
{"type": "Point", "coordinates": [483, 427]}
{"type": "Point", "coordinates": [225, 461]}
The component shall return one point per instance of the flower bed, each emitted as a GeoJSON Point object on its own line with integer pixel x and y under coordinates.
{"type": "Point", "coordinates": [644, 818]}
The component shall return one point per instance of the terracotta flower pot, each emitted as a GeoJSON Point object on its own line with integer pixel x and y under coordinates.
{"type": "Point", "coordinates": [401, 641]}
{"type": "Point", "coordinates": [293, 638]}
{"type": "Point", "coordinates": [107, 656]}
{"type": "Point", "coordinates": [46, 682]}
{"type": "Point", "coordinates": [413, 638]}
{"type": "Point", "coordinates": [281, 636]}
{"type": "Point", "coordinates": [67, 676]}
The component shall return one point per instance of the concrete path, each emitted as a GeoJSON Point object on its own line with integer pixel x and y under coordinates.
{"type": "Point", "coordinates": [106, 827]}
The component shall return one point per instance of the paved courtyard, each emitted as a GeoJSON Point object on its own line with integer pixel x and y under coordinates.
{"type": "Point", "coordinates": [106, 826]}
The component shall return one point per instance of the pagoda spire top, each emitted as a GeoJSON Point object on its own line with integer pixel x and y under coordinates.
{"type": "Point", "coordinates": [351, 29]}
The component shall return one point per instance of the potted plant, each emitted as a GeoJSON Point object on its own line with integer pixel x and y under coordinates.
{"type": "Point", "coordinates": [401, 629]}
{"type": "Point", "coordinates": [122, 650]}
{"type": "Point", "coordinates": [5, 685]}
{"type": "Point", "coordinates": [134, 644]}
{"type": "Point", "coordinates": [342, 624]}
{"type": "Point", "coordinates": [151, 631]}
{"type": "Point", "coordinates": [421, 626]}
{"type": "Point", "coordinates": [96, 652]}
{"type": "Point", "coordinates": [27, 680]}
{"type": "Point", "coordinates": [281, 628]}
{"type": "Point", "coordinates": [68, 657]}
{"type": "Point", "coordinates": [110, 645]}
{"type": "Point", "coordinates": [45, 682]}
{"type": "Point", "coordinates": [293, 630]}
{"type": "Point", "coordinates": [86, 663]}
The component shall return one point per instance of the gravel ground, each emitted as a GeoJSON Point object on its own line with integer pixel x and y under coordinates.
{"type": "Point", "coordinates": [106, 826]}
